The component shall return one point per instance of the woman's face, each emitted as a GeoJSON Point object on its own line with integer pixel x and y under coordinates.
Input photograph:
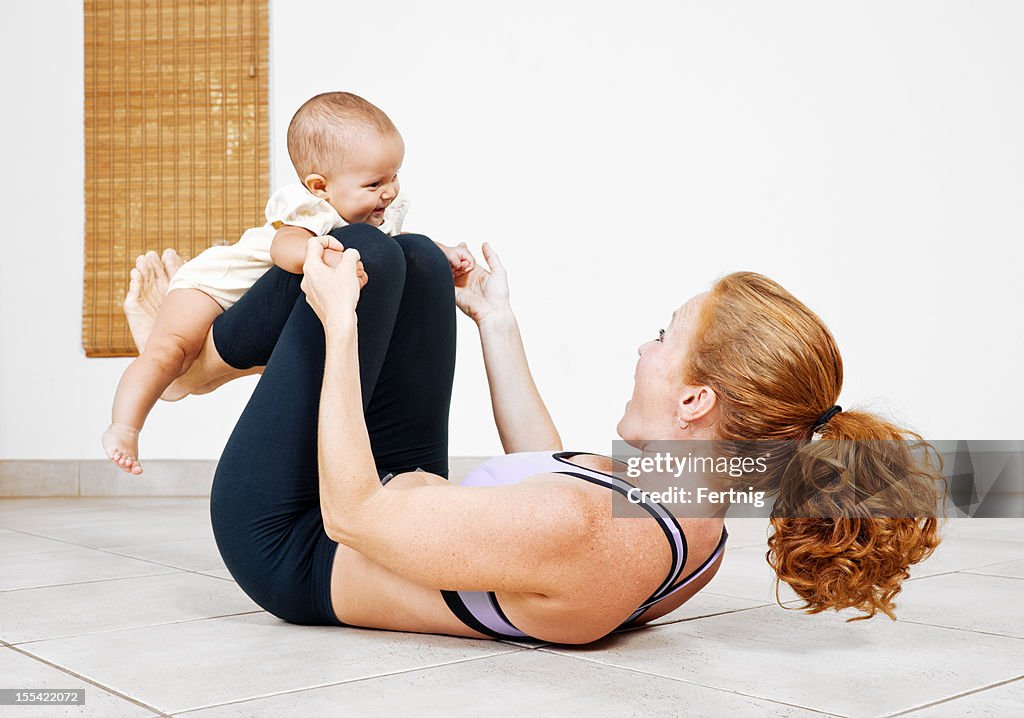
{"type": "Point", "coordinates": [652, 413]}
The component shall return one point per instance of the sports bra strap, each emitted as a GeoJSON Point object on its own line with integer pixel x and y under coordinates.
{"type": "Point", "coordinates": [665, 518]}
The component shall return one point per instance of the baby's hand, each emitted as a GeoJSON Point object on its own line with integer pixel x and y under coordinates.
{"type": "Point", "coordinates": [460, 258]}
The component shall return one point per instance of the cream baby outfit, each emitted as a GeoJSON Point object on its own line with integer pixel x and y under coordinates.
{"type": "Point", "coordinates": [225, 272]}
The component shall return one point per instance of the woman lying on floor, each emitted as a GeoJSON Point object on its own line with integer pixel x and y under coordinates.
{"type": "Point", "coordinates": [334, 511]}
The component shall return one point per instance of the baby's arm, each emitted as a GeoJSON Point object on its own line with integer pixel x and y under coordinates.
{"type": "Point", "coordinates": [288, 249]}
{"type": "Point", "coordinates": [284, 250]}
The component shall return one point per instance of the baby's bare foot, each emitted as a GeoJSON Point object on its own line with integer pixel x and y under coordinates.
{"type": "Point", "coordinates": [121, 445]}
{"type": "Point", "coordinates": [146, 292]}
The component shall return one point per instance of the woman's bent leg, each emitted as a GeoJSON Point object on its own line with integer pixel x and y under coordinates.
{"type": "Point", "coordinates": [407, 418]}
{"type": "Point", "coordinates": [265, 503]}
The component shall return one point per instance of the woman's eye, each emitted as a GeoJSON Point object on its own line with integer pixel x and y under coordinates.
{"type": "Point", "coordinates": [661, 335]}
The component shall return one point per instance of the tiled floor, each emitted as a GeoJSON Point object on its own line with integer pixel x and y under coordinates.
{"type": "Point", "coordinates": [128, 599]}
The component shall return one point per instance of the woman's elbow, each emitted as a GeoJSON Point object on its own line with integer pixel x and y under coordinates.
{"type": "Point", "coordinates": [352, 524]}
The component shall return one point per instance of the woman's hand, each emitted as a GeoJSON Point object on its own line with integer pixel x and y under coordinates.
{"type": "Point", "coordinates": [332, 286]}
{"type": "Point", "coordinates": [481, 292]}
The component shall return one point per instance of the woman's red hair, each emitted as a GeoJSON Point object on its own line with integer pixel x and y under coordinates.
{"type": "Point", "coordinates": [775, 369]}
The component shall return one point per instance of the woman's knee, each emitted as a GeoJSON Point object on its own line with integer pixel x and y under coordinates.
{"type": "Point", "coordinates": [378, 251]}
{"type": "Point", "coordinates": [424, 257]}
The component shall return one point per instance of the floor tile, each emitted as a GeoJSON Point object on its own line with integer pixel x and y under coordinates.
{"type": "Point", "coordinates": [120, 530]}
{"type": "Point", "coordinates": [43, 613]}
{"type": "Point", "coordinates": [747, 532]}
{"type": "Point", "coordinates": [21, 671]}
{"type": "Point", "coordinates": [999, 529]}
{"type": "Point", "coordinates": [16, 543]}
{"type": "Point", "coordinates": [521, 683]}
{"type": "Point", "coordinates": [197, 554]}
{"type": "Point", "coordinates": [33, 514]}
{"type": "Point", "coordinates": [70, 564]}
{"type": "Point", "coordinates": [706, 603]}
{"type": "Point", "coordinates": [191, 665]}
{"type": "Point", "coordinates": [8, 503]}
{"type": "Point", "coordinates": [816, 661]}
{"type": "Point", "coordinates": [957, 554]}
{"type": "Point", "coordinates": [990, 604]}
{"type": "Point", "coordinates": [1012, 569]}
{"type": "Point", "coordinates": [1004, 700]}
{"type": "Point", "coordinates": [141, 632]}
{"type": "Point", "coordinates": [746, 574]}
{"type": "Point", "coordinates": [219, 573]}
{"type": "Point", "coordinates": [198, 505]}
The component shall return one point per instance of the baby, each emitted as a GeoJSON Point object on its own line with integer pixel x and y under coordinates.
{"type": "Point", "coordinates": [347, 154]}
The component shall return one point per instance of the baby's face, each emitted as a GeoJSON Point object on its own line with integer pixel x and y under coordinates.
{"type": "Point", "coordinates": [368, 182]}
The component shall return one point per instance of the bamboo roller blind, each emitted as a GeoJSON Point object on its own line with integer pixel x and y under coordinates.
{"type": "Point", "coordinates": [176, 147]}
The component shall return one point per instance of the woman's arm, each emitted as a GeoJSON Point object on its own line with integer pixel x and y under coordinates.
{"type": "Point", "coordinates": [510, 538]}
{"type": "Point", "coordinates": [523, 421]}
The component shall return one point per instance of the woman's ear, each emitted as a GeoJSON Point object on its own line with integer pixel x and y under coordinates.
{"type": "Point", "coordinates": [317, 184]}
{"type": "Point", "coordinates": [695, 402]}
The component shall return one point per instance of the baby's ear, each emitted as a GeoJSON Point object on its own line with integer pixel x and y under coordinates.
{"type": "Point", "coordinates": [317, 184]}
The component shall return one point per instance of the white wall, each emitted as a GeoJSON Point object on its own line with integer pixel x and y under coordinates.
{"type": "Point", "coordinates": [620, 156]}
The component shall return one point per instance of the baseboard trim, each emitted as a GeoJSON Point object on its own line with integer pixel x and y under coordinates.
{"type": "Point", "coordinates": [20, 478]}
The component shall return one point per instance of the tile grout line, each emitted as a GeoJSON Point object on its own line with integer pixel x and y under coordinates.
{"type": "Point", "coordinates": [956, 570]}
{"type": "Point", "coordinates": [135, 628]}
{"type": "Point", "coordinates": [88, 581]}
{"type": "Point", "coordinates": [691, 683]}
{"type": "Point", "coordinates": [965, 630]}
{"type": "Point", "coordinates": [174, 570]}
{"type": "Point", "coordinates": [111, 552]}
{"type": "Point", "coordinates": [59, 540]}
{"type": "Point", "coordinates": [351, 680]}
{"type": "Point", "coordinates": [694, 618]}
{"type": "Point", "coordinates": [158, 563]}
{"type": "Point", "coordinates": [90, 681]}
{"type": "Point", "coordinates": [761, 603]}
{"type": "Point", "coordinates": [955, 697]}
{"type": "Point", "coordinates": [974, 572]}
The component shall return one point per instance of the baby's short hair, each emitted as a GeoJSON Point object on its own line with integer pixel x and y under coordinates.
{"type": "Point", "coordinates": [322, 129]}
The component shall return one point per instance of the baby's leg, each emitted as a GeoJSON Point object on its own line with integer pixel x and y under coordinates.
{"type": "Point", "coordinates": [178, 337]}
{"type": "Point", "coordinates": [206, 373]}
{"type": "Point", "coordinates": [243, 337]}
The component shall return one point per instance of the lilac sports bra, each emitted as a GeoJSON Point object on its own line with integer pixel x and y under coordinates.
{"type": "Point", "coordinates": [480, 611]}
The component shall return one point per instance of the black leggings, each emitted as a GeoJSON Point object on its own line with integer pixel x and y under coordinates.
{"type": "Point", "coordinates": [265, 500]}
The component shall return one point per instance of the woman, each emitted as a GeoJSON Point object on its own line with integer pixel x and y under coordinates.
{"type": "Point", "coordinates": [314, 529]}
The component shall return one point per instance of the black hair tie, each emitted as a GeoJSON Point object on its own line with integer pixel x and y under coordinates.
{"type": "Point", "coordinates": [826, 416]}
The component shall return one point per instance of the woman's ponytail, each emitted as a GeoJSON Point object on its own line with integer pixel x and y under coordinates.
{"type": "Point", "coordinates": [854, 511]}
